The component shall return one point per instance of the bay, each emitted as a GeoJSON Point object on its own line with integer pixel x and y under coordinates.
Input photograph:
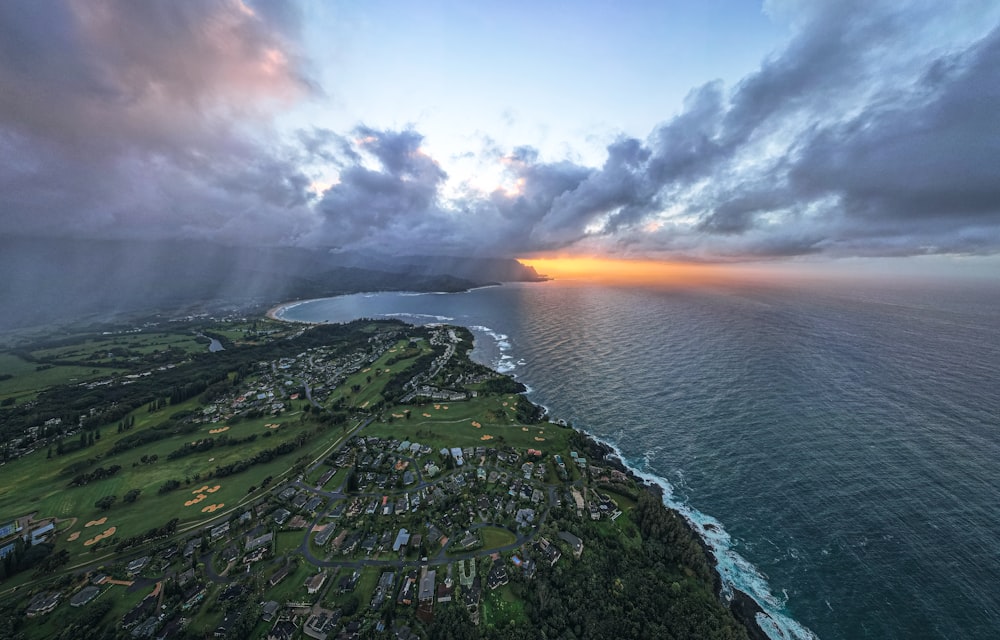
{"type": "Point", "coordinates": [839, 449]}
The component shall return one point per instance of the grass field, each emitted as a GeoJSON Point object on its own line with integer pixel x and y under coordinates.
{"type": "Point", "coordinates": [29, 380]}
{"type": "Point", "coordinates": [502, 605]}
{"type": "Point", "coordinates": [36, 484]}
{"type": "Point", "coordinates": [494, 537]}
{"type": "Point", "coordinates": [453, 424]}
{"type": "Point", "coordinates": [98, 349]}
{"type": "Point", "coordinates": [380, 373]}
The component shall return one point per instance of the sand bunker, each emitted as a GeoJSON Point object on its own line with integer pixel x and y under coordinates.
{"type": "Point", "coordinates": [524, 428]}
{"type": "Point", "coordinates": [486, 436]}
{"type": "Point", "coordinates": [365, 404]}
{"type": "Point", "coordinates": [214, 489]}
{"type": "Point", "coordinates": [366, 370]}
{"type": "Point", "coordinates": [101, 536]}
{"type": "Point", "coordinates": [537, 439]}
{"type": "Point", "coordinates": [219, 430]}
{"type": "Point", "coordinates": [398, 416]}
{"type": "Point", "coordinates": [203, 489]}
{"type": "Point", "coordinates": [73, 536]}
{"type": "Point", "coordinates": [272, 426]}
{"type": "Point", "coordinates": [427, 415]}
{"type": "Point", "coordinates": [212, 507]}
{"type": "Point", "coordinates": [197, 499]}
{"type": "Point", "coordinates": [438, 407]}
{"type": "Point", "coordinates": [505, 404]}
{"type": "Point", "coordinates": [445, 407]}
{"type": "Point", "coordinates": [96, 523]}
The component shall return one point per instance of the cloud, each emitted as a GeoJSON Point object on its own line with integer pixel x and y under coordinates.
{"type": "Point", "coordinates": [396, 197]}
{"type": "Point", "coordinates": [872, 132]}
{"type": "Point", "coordinates": [148, 118]}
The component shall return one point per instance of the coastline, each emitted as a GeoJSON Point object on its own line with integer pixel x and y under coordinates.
{"type": "Point", "coordinates": [744, 606]}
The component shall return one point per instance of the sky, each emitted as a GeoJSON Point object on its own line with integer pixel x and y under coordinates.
{"type": "Point", "coordinates": [713, 132]}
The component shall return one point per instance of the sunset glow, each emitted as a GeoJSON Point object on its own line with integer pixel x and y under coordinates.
{"type": "Point", "coordinates": [620, 271]}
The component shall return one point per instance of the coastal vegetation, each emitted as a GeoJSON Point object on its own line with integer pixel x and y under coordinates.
{"type": "Point", "coordinates": [333, 471]}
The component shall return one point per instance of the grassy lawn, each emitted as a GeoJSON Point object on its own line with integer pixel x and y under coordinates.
{"type": "Point", "coordinates": [288, 541]}
{"type": "Point", "coordinates": [64, 614]}
{"type": "Point", "coordinates": [502, 605]}
{"type": "Point", "coordinates": [494, 537]}
{"type": "Point", "coordinates": [291, 589]}
{"type": "Point", "coordinates": [366, 585]}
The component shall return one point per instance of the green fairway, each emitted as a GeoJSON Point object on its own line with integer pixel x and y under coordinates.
{"type": "Point", "coordinates": [373, 378]}
{"type": "Point", "coordinates": [454, 424]}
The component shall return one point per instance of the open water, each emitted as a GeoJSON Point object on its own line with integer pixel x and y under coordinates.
{"type": "Point", "coordinates": [840, 450]}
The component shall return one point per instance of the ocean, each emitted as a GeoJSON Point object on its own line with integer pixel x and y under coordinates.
{"type": "Point", "coordinates": [838, 448]}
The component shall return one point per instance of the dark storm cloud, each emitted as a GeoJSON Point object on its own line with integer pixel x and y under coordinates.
{"type": "Point", "coordinates": [395, 198]}
{"type": "Point", "coordinates": [145, 118]}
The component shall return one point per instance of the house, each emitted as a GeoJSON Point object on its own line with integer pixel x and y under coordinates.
{"type": "Point", "coordinates": [548, 551]}
{"type": "Point", "coordinates": [283, 630]}
{"type": "Point", "coordinates": [229, 554]}
{"type": "Point", "coordinates": [426, 591]}
{"type": "Point", "coordinates": [84, 596]}
{"type": "Point", "coordinates": [322, 625]}
{"type": "Point", "coordinates": [575, 543]}
{"type": "Point", "coordinates": [219, 531]}
{"type": "Point", "coordinates": [192, 544]}
{"type": "Point", "coordinates": [425, 596]}
{"type": "Point", "coordinates": [324, 536]}
{"type": "Point", "coordinates": [260, 541]}
{"type": "Point", "coordinates": [281, 516]}
{"type": "Point", "coordinates": [269, 610]}
{"type": "Point", "coordinates": [369, 543]}
{"type": "Point", "coordinates": [39, 534]}
{"type": "Point", "coordinates": [278, 576]}
{"type": "Point", "coordinates": [348, 582]}
{"type": "Point", "coordinates": [498, 575]}
{"type": "Point", "coordinates": [444, 592]}
{"type": "Point", "coordinates": [401, 540]}
{"type": "Point", "coordinates": [42, 604]}
{"type": "Point", "coordinates": [406, 589]}
{"type": "Point", "coordinates": [193, 596]}
{"type": "Point", "coordinates": [471, 596]}
{"type": "Point", "coordinates": [525, 517]}
{"type": "Point", "coordinates": [383, 588]}
{"type": "Point", "coordinates": [315, 583]}
{"type": "Point", "coordinates": [231, 593]}
{"type": "Point", "coordinates": [224, 626]}
{"type": "Point", "coordinates": [137, 565]}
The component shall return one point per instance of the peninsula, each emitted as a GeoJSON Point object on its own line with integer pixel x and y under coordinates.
{"type": "Point", "coordinates": [364, 480]}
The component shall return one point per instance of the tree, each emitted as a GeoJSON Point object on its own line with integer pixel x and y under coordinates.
{"type": "Point", "coordinates": [131, 495]}
{"type": "Point", "coordinates": [105, 503]}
